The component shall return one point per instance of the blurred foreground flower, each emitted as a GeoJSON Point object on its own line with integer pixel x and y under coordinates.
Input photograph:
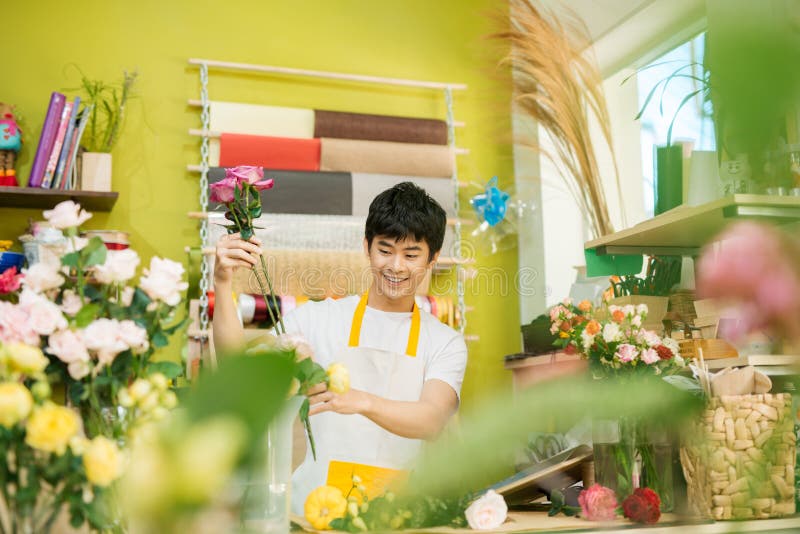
{"type": "Point", "coordinates": [758, 268]}
{"type": "Point", "coordinates": [487, 512]}
{"type": "Point", "coordinates": [598, 503]}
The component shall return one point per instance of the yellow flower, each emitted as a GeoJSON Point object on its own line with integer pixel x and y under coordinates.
{"type": "Point", "coordinates": [338, 378]}
{"type": "Point", "coordinates": [15, 403]}
{"type": "Point", "coordinates": [563, 335]}
{"type": "Point", "coordinates": [323, 505]}
{"type": "Point", "coordinates": [24, 358]}
{"type": "Point", "coordinates": [51, 427]}
{"type": "Point", "coordinates": [102, 461]}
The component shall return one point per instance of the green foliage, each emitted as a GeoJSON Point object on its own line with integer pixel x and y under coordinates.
{"type": "Point", "coordinates": [663, 272]}
{"type": "Point", "coordinates": [391, 512]}
{"type": "Point", "coordinates": [558, 505]}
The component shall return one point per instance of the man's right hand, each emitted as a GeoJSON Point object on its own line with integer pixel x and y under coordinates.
{"type": "Point", "coordinates": [232, 252]}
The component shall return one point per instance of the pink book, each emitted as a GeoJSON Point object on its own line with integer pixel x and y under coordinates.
{"type": "Point", "coordinates": [55, 153]}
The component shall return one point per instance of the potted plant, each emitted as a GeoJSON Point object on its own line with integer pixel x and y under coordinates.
{"type": "Point", "coordinates": [105, 104]}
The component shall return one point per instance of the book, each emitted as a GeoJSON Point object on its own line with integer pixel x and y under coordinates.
{"type": "Point", "coordinates": [70, 174]}
{"type": "Point", "coordinates": [65, 149]}
{"type": "Point", "coordinates": [50, 170]}
{"type": "Point", "coordinates": [50, 126]}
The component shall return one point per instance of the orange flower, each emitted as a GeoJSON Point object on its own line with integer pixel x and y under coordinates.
{"type": "Point", "coordinates": [585, 306]}
{"type": "Point", "coordinates": [592, 328]}
{"type": "Point", "coordinates": [618, 316]}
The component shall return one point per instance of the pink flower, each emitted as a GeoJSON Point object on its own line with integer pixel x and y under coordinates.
{"type": "Point", "coordinates": [67, 346]}
{"type": "Point", "coordinates": [119, 267]}
{"type": "Point", "coordinates": [15, 325]}
{"type": "Point", "coordinates": [245, 174]}
{"type": "Point", "coordinates": [598, 503]}
{"type": "Point", "coordinates": [266, 184]}
{"type": "Point", "coordinates": [626, 352]}
{"type": "Point", "coordinates": [223, 191]}
{"type": "Point", "coordinates": [134, 336]}
{"type": "Point", "coordinates": [164, 281]}
{"type": "Point", "coordinates": [42, 276]}
{"type": "Point", "coordinates": [487, 512]}
{"type": "Point", "coordinates": [650, 356]}
{"type": "Point", "coordinates": [70, 302]}
{"type": "Point", "coordinates": [67, 214]}
{"type": "Point", "coordinates": [10, 280]}
{"type": "Point", "coordinates": [44, 316]}
{"type": "Point", "coordinates": [102, 337]}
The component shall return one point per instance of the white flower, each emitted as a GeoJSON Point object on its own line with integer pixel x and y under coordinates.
{"type": "Point", "coordinates": [79, 369]}
{"type": "Point", "coordinates": [611, 332]}
{"type": "Point", "coordinates": [637, 321]}
{"type": "Point", "coordinates": [629, 310]}
{"type": "Point", "coordinates": [651, 338]}
{"type": "Point", "coordinates": [42, 276]}
{"type": "Point", "coordinates": [119, 267]}
{"type": "Point", "coordinates": [488, 512]}
{"type": "Point", "coordinates": [641, 309]}
{"type": "Point", "coordinates": [70, 302]}
{"type": "Point", "coordinates": [126, 298]}
{"type": "Point", "coordinates": [672, 345]}
{"type": "Point", "coordinates": [75, 243]}
{"type": "Point", "coordinates": [67, 214]}
{"type": "Point", "coordinates": [297, 343]}
{"type": "Point", "coordinates": [163, 281]}
{"type": "Point", "coordinates": [102, 336]}
{"type": "Point", "coordinates": [45, 317]}
{"type": "Point", "coordinates": [134, 336]}
{"type": "Point", "coordinates": [679, 361]}
{"type": "Point", "coordinates": [588, 340]}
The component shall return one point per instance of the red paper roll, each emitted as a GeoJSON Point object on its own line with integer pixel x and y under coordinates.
{"type": "Point", "coordinates": [281, 153]}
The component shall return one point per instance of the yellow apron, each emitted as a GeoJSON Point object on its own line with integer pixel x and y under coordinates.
{"type": "Point", "coordinates": [352, 444]}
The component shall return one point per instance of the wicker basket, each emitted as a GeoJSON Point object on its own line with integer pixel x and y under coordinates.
{"type": "Point", "coordinates": [740, 461]}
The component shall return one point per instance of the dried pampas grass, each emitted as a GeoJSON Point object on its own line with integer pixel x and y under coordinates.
{"type": "Point", "coordinates": [556, 85]}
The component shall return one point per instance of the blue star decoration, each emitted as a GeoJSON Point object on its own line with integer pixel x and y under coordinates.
{"type": "Point", "coordinates": [491, 205]}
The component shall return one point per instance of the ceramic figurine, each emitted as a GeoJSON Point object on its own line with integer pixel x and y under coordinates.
{"type": "Point", "coordinates": [10, 144]}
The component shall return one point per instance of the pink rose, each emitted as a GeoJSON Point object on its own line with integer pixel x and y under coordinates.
{"type": "Point", "coordinates": [44, 316]}
{"type": "Point", "coordinates": [119, 267]}
{"type": "Point", "coordinates": [70, 302]}
{"type": "Point", "coordinates": [42, 276]}
{"type": "Point", "coordinates": [67, 214]}
{"type": "Point", "coordinates": [244, 174]}
{"type": "Point", "coordinates": [134, 336]}
{"type": "Point", "coordinates": [598, 503]}
{"type": "Point", "coordinates": [223, 191]}
{"type": "Point", "coordinates": [164, 281]}
{"type": "Point", "coordinates": [102, 337]}
{"type": "Point", "coordinates": [650, 356]}
{"type": "Point", "coordinates": [15, 325]}
{"type": "Point", "coordinates": [626, 352]}
{"type": "Point", "coordinates": [487, 512]}
{"type": "Point", "coordinates": [79, 369]}
{"type": "Point", "coordinates": [10, 280]}
{"type": "Point", "coordinates": [67, 346]}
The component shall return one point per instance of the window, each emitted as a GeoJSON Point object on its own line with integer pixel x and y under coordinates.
{"type": "Point", "coordinates": [693, 122]}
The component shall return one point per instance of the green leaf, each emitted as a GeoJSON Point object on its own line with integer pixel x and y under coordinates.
{"type": "Point", "coordinates": [177, 326]}
{"type": "Point", "coordinates": [94, 253]}
{"type": "Point", "coordinates": [86, 315]}
{"type": "Point", "coordinates": [169, 369]}
{"type": "Point", "coordinates": [247, 233]}
{"type": "Point", "coordinates": [160, 340]}
{"type": "Point", "coordinates": [70, 260]}
{"type": "Point", "coordinates": [674, 117]}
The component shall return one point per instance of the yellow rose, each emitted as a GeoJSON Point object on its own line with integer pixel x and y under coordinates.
{"type": "Point", "coordinates": [15, 403]}
{"type": "Point", "coordinates": [323, 505]}
{"type": "Point", "coordinates": [102, 461]}
{"type": "Point", "coordinates": [51, 427]}
{"type": "Point", "coordinates": [25, 359]}
{"type": "Point", "coordinates": [338, 378]}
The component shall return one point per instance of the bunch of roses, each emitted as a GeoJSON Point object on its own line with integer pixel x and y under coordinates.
{"type": "Point", "coordinates": [599, 503]}
{"type": "Point", "coordinates": [615, 341]}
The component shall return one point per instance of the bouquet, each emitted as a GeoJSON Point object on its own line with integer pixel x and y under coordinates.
{"type": "Point", "coordinates": [614, 341]}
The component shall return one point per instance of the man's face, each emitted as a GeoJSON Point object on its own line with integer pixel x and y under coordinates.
{"type": "Point", "coordinates": [398, 267]}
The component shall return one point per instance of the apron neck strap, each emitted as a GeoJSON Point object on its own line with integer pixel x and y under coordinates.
{"type": "Point", "coordinates": [358, 318]}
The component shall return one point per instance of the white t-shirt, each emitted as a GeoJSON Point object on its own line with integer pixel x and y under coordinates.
{"type": "Point", "coordinates": [326, 326]}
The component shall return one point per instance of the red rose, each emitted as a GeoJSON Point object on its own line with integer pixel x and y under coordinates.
{"type": "Point", "coordinates": [643, 506]}
{"type": "Point", "coordinates": [570, 349]}
{"type": "Point", "coordinates": [663, 352]}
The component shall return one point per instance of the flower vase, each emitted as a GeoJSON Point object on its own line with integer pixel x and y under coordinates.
{"type": "Point", "coordinates": [655, 452]}
{"type": "Point", "coordinates": [614, 444]}
{"type": "Point", "coordinates": [266, 497]}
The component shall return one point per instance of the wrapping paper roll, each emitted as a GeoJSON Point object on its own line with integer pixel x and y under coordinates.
{"type": "Point", "coordinates": [343, 125]}
{"type": "Point", "coordinates": [282, 153]}
{"type": "Point", "coordinates": [327, 193]}
{"type": "Point", "coordinates": [367, 186]}
{"type": "Point", "coordinates": [252, 119]}
{"type": "Point", "coordinates": [383, 157]}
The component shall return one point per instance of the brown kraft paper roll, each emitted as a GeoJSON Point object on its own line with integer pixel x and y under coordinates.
{"type": "Point", "coordinates": [343, 125]}
{"type": "Point", "coordinates": [383, 157]}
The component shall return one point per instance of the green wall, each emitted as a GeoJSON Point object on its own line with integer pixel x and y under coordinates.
{"type": "Point", "coordinates": [422, 39]}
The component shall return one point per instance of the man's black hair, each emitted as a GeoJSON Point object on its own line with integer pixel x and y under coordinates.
{"type": "Point", "coordinates": [407, 210]}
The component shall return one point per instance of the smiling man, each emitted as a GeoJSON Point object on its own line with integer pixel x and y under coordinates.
{"type": "Point", "coordinates": [406, 367]}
